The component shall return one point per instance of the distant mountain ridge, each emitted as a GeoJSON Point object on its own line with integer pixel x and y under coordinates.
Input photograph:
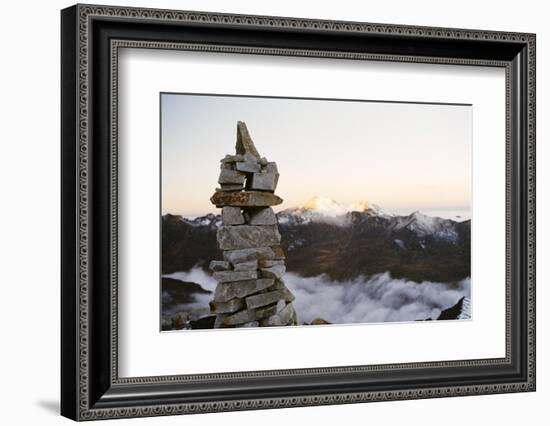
{"type": "Point", "coordinates": [341, 241]}
{"type": "Point", "coordinates": [323, 209]}
{"type": "Point", "coordinates": [320, 209]}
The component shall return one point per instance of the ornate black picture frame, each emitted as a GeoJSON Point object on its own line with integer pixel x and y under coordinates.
{"type": "Point", "coordinates": [91, 36]}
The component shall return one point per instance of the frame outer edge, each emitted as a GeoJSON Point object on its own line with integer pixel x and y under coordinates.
{"type": "Point", "coordinates": [84, 12]}
{"type": "Point", "coordinates": [83, 86]}
{"type": "Point", "coordinates": [531, 201]}
{"type": "Point", "coordinates": [69, 221]}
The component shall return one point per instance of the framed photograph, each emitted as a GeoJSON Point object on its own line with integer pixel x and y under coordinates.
{"type": "Point", "coordinates": [263, 212]}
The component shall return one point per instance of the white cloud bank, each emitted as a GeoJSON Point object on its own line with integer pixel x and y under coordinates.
{"type": "Point", "coordinates": [379, 298]}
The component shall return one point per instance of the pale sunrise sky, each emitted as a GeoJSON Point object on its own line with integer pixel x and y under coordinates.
{"type": "Point", "coordinates": [403, 157]}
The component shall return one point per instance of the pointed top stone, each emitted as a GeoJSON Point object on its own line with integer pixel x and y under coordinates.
{"type": "Point", "coordinates": [244, 141]}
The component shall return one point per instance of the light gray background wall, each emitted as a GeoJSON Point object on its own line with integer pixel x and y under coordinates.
{"type": "Point", "coordinates": [29, 225]}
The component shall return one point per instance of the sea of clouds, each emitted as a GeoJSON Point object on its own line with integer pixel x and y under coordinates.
{"type": "Point", "coordinates": [378, 298]}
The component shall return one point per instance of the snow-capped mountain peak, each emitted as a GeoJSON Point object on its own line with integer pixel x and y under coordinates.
{"type": "Point", "coordinates": [325, 206]}
{"type": "Point", "coordinates": [325, 209]}
{"type": "Point", "coordinates": [423, 225]}
{"type": "Point", "coordinates": [207, 220]}
{"type": "Point", "coordinates": [368, 207]}
{"type": "Point", "coordinates": [360, 206]}
{"type": "Point", "coordinates": [329, 207]}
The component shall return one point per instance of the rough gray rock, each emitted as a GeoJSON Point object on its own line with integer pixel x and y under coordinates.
{"type": "Point", "coordinates": [279, 253]}
{"type": "Point", "coordinates": [230, 306]}
{"type": "Point", "coordinates": [248, 324]}
{"type": "Point", "coordinates": [180, 319]}
{"type": "Point", "coordinates": [263, 299]}
{"type": "Point", "coordinates": [232, 216]}
{"type": "Point", "coordinates": [231, 176]}
{"type": "Point", "coordinates": [232, 158]}
{"type": "Point", "coordinates": [271, 168]}
{"type": "Point", "coordinates": [240, 317]}
{"type": "Point", "coordinates": [228, 276]}
{"type": "Point", "coordinates": [251, 265]}
{"type": "Point", "coordinates": [219, 265]}
{"type": "Point", "coordinates": [250, 315]}
{"type": "Point", "coordinates": [250, 291]}
{"type": "Point", "coordinates": [246, 236]}
{"type": "Point", "coordinates": [279, 284]}
{"type": "Point", "coordinates": [319, 321]}
{"type": "Point", "coordinates": [260, 216]}
{"type": "Point", "coordinates": [283, 317]}
{"type": "Point", "coordinates": [275, 271]}
{"type": "Point", "coordinates": [218, 323]}
{"type": "Point", "coordinates": [239, 289]}
{"type": "Point", "coordinates": [269, 263]}
{"type": "Point", "coordinates": [245, 199]}
{"type": "Point", "coordinates": [258, 253]}
{"type": "Point", "coordinates": [294, 320]}
{"type": "Point", "coordinates": [249, 158]}
{"type": "Point", "coordinates": [247, 167]}
{"type": "Point", "coordinates": [229, 187]}
{"type": "Point", "coordinates": [244, 143]}
{"type": "Point", "coordinates": [263, 182]}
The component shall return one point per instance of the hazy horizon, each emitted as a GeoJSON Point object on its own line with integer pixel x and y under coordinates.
{"type": "Point", "coordinates": [403, 157]}
{"type": "Point", "coordinates": [457, 215]}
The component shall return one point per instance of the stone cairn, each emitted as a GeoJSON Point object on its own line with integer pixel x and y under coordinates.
{"type": "Point", "coordinates": [250, 290]}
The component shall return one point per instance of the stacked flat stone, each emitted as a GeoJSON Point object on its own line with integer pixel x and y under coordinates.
{"type": "Point", "coordinates": [250, 290]}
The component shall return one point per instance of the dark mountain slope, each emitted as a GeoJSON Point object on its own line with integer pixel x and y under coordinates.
{"type": "Point", "coordinates": [416, 247]}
